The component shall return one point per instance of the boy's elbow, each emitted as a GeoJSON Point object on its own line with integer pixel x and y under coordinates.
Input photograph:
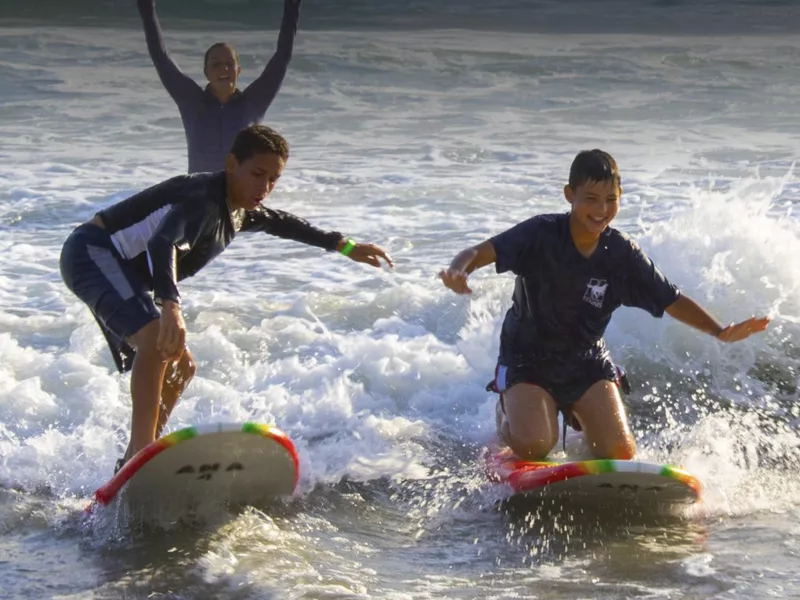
{"type": "Point", "coordinates": [675, 307]}
{"type": "Point", "coordinates": [670, 310]}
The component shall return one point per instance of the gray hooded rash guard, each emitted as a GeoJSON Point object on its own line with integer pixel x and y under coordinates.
{"type": "Point", "coordinates": [210, 125]}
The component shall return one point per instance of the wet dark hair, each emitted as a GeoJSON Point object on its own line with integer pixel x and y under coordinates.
{"type": "Point", "coordinates": [593, 165]}
{"type": "Point", "coordinates": [220, 45]}
{"type": "Point", "coordinates": [259, 139]}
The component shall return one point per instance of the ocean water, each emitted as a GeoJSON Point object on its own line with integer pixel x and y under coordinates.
{"type": "Point", "coordinates": [424, 139]}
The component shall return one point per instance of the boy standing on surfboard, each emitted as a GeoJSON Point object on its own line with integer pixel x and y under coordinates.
{"type": "Point", "coordinates": [126, 261]}
{"type": "Point", "coordinates": [572, 271]}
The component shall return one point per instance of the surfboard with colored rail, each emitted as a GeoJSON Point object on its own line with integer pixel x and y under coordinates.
{"type": "Point", "coordinates": [204, 466]}
{"type": "Point", "coordinates": [605, 481]}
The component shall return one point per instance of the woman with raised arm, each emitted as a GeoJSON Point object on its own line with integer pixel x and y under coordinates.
{"type": "Point", "coordinates": [212, 116]}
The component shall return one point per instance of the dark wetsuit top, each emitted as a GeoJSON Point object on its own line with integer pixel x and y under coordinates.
{"type": "Point", "coordinates": [170, 231]}
{"type": "Point", "coordinates": [562, 300]}
{"type": "Point", "coordinates": [210, 125]}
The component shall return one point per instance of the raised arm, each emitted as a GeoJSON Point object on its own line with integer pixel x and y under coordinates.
{"type": "Point", "coordinates": [260, 94]}
{"type": "Point", "coordinates": [687, 311]}
{"type": "Point", "coordinates": [180, 86]}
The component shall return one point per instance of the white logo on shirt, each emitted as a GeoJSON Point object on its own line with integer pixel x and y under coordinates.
{"type": "Point", "coordinates": [596, 292]}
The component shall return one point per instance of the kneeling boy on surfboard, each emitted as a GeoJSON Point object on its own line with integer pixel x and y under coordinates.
{"type": "Point", "coordinates": [125, 263]}
{"type": "Point", "coordinates": [572, 272]}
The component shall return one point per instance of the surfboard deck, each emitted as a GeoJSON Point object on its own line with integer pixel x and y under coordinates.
{"type": "Point", "coordinates": [594, 481]}
{"type": "Point", "coordinates": [206, 466]}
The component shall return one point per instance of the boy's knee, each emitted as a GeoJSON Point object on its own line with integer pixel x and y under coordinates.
{"type": "Point", "coordinates": [625, 450]}
{"type": "Point", "coordinates": [531, 445]}
{"type": "Point", "coordinates": [187, 365]}
{"type": "Point", "coordinates": [181, 371]}
{"type": "Point", "coordinates": [531, 451]}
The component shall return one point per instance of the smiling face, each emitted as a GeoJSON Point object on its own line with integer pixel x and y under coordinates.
{"type": "Point", "coordinates": [593, 190]}
{"type": "Point", "coordinates": [594, 205]}
{"type": "Point", "coordinates": [222, 70]}
{"type": "Point", "coordinates": [252, 180]}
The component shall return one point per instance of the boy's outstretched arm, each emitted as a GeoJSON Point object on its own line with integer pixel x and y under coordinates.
{"type": "Point", "coordinates": [286, 225]}
{"type": "Point", "coordinates": [464, 263]}
{"type": "Point", "coordinates": [686, 310]}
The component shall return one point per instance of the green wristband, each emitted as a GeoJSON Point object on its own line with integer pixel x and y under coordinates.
{"type": "Point", "coordinates": [348, 247]}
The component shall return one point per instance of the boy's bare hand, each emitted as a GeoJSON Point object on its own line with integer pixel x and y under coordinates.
{"type": "Point", "coordinates": [740, 331]}
{"type": "Point", "coordinates": [172, 331]}
{"type": "Point", "coordinates": [455, 280]}
{"type": "Point", "coordinates": [369, 254]}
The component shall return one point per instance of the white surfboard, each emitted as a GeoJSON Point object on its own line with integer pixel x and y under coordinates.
{"type": "Point", "coordinates": [204, 468]}
{"type": "Point", "coordinates": [628, 482]}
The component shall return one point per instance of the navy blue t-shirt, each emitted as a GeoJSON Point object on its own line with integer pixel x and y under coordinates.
{"type": "Point", "coordinates": [563, 301]}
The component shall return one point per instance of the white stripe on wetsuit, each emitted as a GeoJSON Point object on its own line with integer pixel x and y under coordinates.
{"type": "Point", "coordinates": [132, 241]}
